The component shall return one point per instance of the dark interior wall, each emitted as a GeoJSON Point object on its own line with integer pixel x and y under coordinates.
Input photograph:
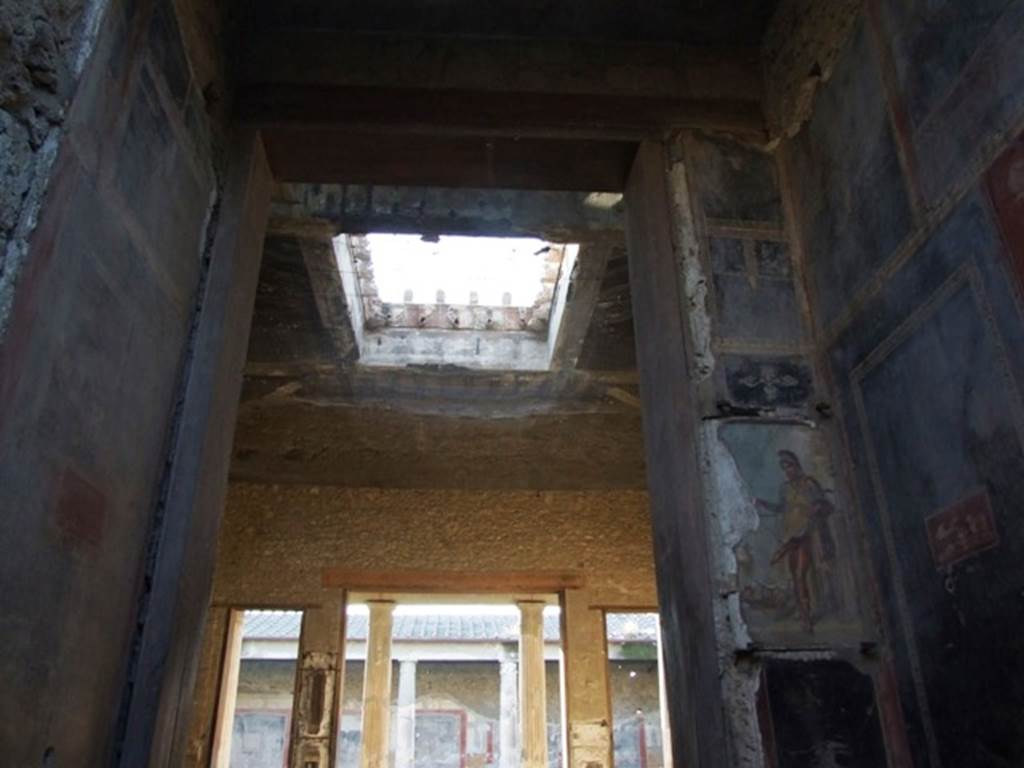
{"type": "Point", "coordinates": [103, 297]}
{"type": "Point", "coordinates": [908, 182]}
{"type": "Point", "coordinates": [819, 713]}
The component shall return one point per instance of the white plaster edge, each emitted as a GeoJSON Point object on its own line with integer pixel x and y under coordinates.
{"type": "Point", "coordinates": [694, 283]}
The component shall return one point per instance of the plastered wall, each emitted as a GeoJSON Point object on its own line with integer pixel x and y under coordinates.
{"type": "Point", "coordinates": [102, 115]}
{"type": "Point", "coordinates": [277, 540]}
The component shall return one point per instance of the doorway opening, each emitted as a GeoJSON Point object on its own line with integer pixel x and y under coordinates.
{"type": "Point", "coordinates": [258, 678]}
{"type": "Point", "coordinates": [455, 687]}
{"type": "Point", "coordinates": [423, 480]}
{"type": "Point", "coordinates": [636, 691]}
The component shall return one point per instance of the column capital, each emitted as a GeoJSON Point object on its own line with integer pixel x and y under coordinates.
{"type": "Point", "coordinates": [531, 605]}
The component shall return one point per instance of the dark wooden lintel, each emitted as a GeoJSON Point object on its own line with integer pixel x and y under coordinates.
{"type": "Point", "coordinates": [335, 155]}
{"type": "Point", "coordinates": [501, 113]}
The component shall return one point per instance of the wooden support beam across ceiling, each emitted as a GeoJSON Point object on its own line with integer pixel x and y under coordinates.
{"type": "Point", "coordinates": [514, 114]}
{"type": "Point", "coordinates": [336, 155]}
{"type": "Point", "coordinates": [513, 85]}
{"type": "Point", "coordinates": [531, 114]}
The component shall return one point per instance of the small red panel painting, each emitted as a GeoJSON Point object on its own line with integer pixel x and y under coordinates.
{"type": "Point", "coordinates": [81, 510]}
{"type": "Point", "coordinates": [962, 530]}
{"type": "Point", "coordinates": [1006, 188]}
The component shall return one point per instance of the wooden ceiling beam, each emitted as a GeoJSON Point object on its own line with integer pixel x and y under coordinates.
{"type": "Point", "coordinates": [528, 114]}
{"type": "Point", "coordinates": [291, 55]}
{"type": "Point", "coordinates": [462, 112]}
{"type": "Point", "coordinates": [340, 156]}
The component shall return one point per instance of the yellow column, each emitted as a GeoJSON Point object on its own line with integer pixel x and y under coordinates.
{"type": "Point", "coordinates": [532, 696]}
{"type": "Point", "coordinates": [586, 683]}
{"type": "Point", "coordinates": [377, 687]}
{"type": "Point", "coordinates": [228, 691]}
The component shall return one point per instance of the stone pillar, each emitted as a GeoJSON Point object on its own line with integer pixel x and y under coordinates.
{"type": "Point", "coordinates": [673, 361]}
{"type": "Point", "coordinates": [533, 715]}
{"type": "Point", "coordinates": [508, 719]}
{"type": "Point", "coordinates": [313, 711]}
{"type": "Point", "coordinates": [225, 722]}
{"type": "Point", "coordinates": [588, 711]}
{"type": "Point", "coordinates": [196, 470]}
{"type": "Point", "coordinates": [377, 687]}
{"type": "Point", "coordinates": [405, 728]}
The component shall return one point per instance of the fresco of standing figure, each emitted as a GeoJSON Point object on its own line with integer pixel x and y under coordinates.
{"type": "Point", "coordinates": [807, 545]}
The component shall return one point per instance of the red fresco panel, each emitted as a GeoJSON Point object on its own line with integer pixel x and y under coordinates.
{"type": "Point", "coordinates": [81, 510]}
{"type": "Point", "coordinates": [1005, 183]}
{"type": "Point", "coordinates": [962, 530]}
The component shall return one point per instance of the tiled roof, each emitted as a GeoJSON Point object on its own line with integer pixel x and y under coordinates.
{"type": "Point", "coordinates": [285, 625]}
{"type": "Point", "coordinates": [272, 625]}
{"type": "Point", "coordinates": [628, 627]}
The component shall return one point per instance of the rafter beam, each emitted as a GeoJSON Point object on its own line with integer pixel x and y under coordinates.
{"type": "Point", "coordinates": [337, 155]}
{"type": "Point", "coordinates": [461, 112]}
{"type": "Point", "coordinates": [296, 55]}
{"type": "Point", "coordinates": [294, 76]}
